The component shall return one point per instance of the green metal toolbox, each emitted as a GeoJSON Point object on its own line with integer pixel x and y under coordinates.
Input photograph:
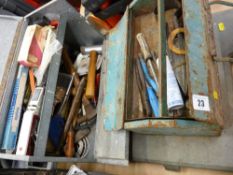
{"type": "Point", "coordinates": [120, 105]}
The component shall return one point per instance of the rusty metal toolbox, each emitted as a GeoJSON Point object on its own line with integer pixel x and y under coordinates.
{"type": "Point", "coordinates": [120, 96]}
{"type": "Point", "coordinates": [72, 30]}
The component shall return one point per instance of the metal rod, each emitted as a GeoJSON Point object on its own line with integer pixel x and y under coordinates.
{"type": "Point", "coordinates": [162, 59]}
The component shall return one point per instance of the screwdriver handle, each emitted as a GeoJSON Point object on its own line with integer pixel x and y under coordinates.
{"type": "Point", "coordinates": [90, 89]}
{"type": "Point", "coordinates": [143, 45]}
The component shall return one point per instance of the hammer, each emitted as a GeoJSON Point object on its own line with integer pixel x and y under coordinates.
{"type": "Point", "coordinates": [93, 51]}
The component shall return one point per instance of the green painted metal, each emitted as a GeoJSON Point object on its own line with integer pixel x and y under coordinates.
{"type": "Point", "coordinates": [114, 95]}
{"type": "Point", "coordinates": [197, 56]}
{"type": "Point", "coordinates": [198, 73]}
{"type": "Point", "coordinates": [173, 127]}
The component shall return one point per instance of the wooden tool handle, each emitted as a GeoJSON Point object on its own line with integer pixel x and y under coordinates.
{"type": "Point", "coordinates": [90, 90]}
{"type": "Point", "coordinates": [75, 106]}
{"type": "Point", "coordinates": [143, 45]}
{"type": "Point", "coordinates": [70, 67]}
{"type": "Point", "coordinates": [69, 147]}
{"type": "Point", "coordinates": [32, 80]}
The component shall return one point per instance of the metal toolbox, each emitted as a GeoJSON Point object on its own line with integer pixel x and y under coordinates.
{"type": "Point", "coordinates": [121, 94]}
{"type": "Point", "coordinates": [72, 30]}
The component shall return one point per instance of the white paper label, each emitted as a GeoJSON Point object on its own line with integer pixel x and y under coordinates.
{"type": "Point", "coordinates": [201, 103]}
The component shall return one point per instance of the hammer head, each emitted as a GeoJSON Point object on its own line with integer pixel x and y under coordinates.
{"type": "Point", "coordinates": [87, 49]}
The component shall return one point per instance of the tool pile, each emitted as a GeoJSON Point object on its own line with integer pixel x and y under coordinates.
{"type": "Point", "coordinates": [76, 112]}
{"type": "Point", "coordinates": [75, 97]}
{"type": "Point", "coordinates": [147, 68]}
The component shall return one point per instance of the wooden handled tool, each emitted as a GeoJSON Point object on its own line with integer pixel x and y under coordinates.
{"type": "Point", "coordinates": [74, 109]}
{"type": "Point", "coordinates": [90, 89]}
{"type": "Point", "coordinates": [146, 55]}
{"type": "Point", "coordinates": [144, 46]}
{"type": "Point", "coordinates": [70, 68]}
{"type": "Point", "coordinates": [142, 88]}
{"type": "Point", "coordinates": [69, 147]}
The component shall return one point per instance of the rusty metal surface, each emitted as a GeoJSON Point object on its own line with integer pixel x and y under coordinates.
{"type": "Point", "coordinates": [173, 127]}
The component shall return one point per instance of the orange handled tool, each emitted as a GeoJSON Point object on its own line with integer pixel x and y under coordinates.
{"type": "Point", "coordinates": [90, 89]}
{"type": "Point", "coordinates": [69, 147]}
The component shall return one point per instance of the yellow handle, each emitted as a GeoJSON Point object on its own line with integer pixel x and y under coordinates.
{"type": "Point", "coordinates": [90, 90]}
{"type": "Point", "coordinates": [171, 45]}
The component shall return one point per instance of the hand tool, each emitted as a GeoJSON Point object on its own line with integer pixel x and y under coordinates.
{"type": "Point", "coordinates": [171, 45]}
{"type": "Point", "coordinates": [69, 67]}
{"type": "Point", "coordinates": [147, 55]}
{"type": "Point", "coordinates": [153, 101]}
{"type": "Point", "coordinates": [76, 104]}
{"type": "Point", "coordinates": [87, 49]}
{"type": "Point", "coordinates": [151, 88]}
{"type": "Point", "coordinates": [57, 122]}
{"type": "Point", "coordinates": [142, 88]}
{"type": "Point", "coordinates": [89, 116]}
{"type": "Point", "coordinates": [69, 146]}
{"type": "Point", "coordinates": [90, 89]}
{"type": "Point", "coordinates": [150, 81]}
{"type": "Point", "coordinates": [81, 63]}
{"type": "Point", "coordinates": [66, 95]}
{"type": "Point", "coordinates": [85, 124]}
{"type": "Point", "coordinates": [80, 134]}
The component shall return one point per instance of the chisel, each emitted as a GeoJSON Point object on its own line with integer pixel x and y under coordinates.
{"type": "Point", "coordinates": [147, 55]}
{"type": "Point", "coordinates": [142, 88]}
{"type": "Point", "coordinates": [151, 88]}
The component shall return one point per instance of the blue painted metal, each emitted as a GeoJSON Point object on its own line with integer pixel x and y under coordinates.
{"type": "Point", "coordinates": [198, 66]}
{"type": "Point", "coordinates": [197, 54]}
{"type": "Point", "coordinates": [114, 100]}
